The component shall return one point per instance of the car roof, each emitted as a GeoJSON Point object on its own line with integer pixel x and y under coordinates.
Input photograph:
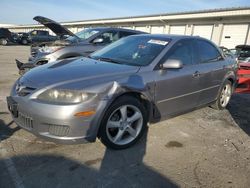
{"type": "Point", "coordinates": [171, 36]}
{"type": "Point", "coordinates": [118, 29]}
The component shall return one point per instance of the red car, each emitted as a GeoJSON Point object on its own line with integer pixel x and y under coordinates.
{"type": "Point", "coordinates": [244, 78]}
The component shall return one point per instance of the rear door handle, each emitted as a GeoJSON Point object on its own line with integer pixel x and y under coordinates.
{"type": "Point", "coordinates": [196, 74]}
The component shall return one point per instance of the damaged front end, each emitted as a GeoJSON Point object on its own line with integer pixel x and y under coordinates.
{"type": "Point", "coordinates": [24, 67]}
{"type": "Point", "coordinates": [40, 49]}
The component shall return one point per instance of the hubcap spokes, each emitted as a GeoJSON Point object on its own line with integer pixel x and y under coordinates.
{"type": "Point", "coordinates": [124, 124]}
{"type": "Point", "coordinates": [225, 95]}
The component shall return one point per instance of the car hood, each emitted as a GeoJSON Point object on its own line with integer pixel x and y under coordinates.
{"type": "Point", "coordinates": [74, 70]}
{"type": "Point", "coordinates": [57, 28]}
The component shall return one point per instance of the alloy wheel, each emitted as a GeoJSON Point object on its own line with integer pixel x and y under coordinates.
{"type": "Point", "coordinates": [225, 95]}
{"type": "Point", "coordinates": [124, 124]}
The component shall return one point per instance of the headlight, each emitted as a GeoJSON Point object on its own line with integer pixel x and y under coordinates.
{"type": "Point", "coordinates": [64, 96]}
{"type": "Point", "coordinates": [47, 49]}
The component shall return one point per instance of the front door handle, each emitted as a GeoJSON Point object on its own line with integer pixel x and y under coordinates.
{"type": "Point", "coordinates": [196, 74]}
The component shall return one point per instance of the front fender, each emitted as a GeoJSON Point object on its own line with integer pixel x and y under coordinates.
{"type": "Point", "coordinates": [116, 90]}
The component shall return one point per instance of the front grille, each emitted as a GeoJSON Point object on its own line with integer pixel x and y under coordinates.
{"type": "Point", "coordinates": [25, 121]}
{"type": "Point", "coordinates": [59, 130]}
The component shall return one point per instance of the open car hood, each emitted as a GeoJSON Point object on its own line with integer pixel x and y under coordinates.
{"type": "Point", "coordinates": [57, 28]}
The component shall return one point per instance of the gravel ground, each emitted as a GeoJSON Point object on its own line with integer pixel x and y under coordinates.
{"type": "Point", "coordinates": [204, 148]}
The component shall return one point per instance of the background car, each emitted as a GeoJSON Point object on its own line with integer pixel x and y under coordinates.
{"type": "Point", "coordinates": [36, 36]}
{"type": "Point", "coordinates": [116, 91]}
{"type": "Point", "coordinates": [243, 52]}
{"type": "Point", "coordinates": [244, 78]}
{"type": "Point", "coordinates": [7, 37]}
{"type": "Point", "coordinates": [82, 43]}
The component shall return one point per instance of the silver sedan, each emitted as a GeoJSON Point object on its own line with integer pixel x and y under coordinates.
{"type": "Point", "coordinates": [115, 92]}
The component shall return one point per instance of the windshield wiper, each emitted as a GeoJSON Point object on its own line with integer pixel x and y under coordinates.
{"type": "Point", "coordinates": [107, 60]}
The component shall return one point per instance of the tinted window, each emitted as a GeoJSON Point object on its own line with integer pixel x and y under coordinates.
{"type": "Point", "coordinates": [42, 33]}
{"type": "Point", "coordinates": [182, 51]}
{"type": "Point", "coordinates": [134, 50]}
{"type": "Point", "coordinates": [125, 34]}
{"type": "Point", "coordinates": [207, 51]}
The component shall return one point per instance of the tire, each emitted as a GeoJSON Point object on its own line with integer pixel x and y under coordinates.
{"type": "Point", "coordinates": [3, 42]}
{"type": "Point", "coordinates": [224, 96]}
{"type": "Point", "coordinates": [24, 42]}
{"type": "Point", "coordinates": [119, 131]}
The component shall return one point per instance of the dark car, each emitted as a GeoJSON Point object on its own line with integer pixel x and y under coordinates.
{"type": "Point", "coordinates": [116, 91]}
{"type": "Point", "coordinates": [36, 36]}
{"type": "Point", "coordinates": [243, 53]}
{"type": "Point", "coordinates": [7, 37]}
{"type": "Point", "coordinates": [80, 44]}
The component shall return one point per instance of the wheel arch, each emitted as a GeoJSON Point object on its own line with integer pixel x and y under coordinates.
{"type": "Point", "coordinates": [147, 103]}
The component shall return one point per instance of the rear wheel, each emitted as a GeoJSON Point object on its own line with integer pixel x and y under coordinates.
{"type": "Point", "coordinates": [224, 96]}
{"type": "Point", "coordinates": [24, 42]}
{"type": "Point", "coordinates": [123, 124]}
{"type": "Point", "coordinates": [3, 42]}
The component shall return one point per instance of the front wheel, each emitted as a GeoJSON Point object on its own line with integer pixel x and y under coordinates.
{"type": "Point", "coordinates": [224, 96]}
{"type": "Point", "coordinates": [123, 124]}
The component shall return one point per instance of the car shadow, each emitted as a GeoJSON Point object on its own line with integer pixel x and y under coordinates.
{"type": "Point", "coordinates": [5, 128]}
{"type": "Point", "coordinates": [122, 168]}
{"type": "Point", "coordinates": [239, 108]}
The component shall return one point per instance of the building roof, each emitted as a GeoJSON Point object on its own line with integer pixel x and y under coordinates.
{"type": "Point", "coordinates": [209, 13]}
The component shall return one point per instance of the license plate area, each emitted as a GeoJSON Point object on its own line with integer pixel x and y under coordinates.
{"type": "Point", "coordinates": [12, 106]}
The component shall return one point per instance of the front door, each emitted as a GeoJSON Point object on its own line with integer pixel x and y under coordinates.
{"type": "Point", "coordinates": [177, 90]}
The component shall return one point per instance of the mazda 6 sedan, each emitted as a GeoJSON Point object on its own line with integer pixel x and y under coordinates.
{"type": "Point", "coordinates": [114, 93]}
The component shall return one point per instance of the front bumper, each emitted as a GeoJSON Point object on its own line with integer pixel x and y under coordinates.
{"type": "Point", "coordinates": [55, 123]}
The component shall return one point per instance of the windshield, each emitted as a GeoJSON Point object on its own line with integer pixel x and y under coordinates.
{"type": "Point", "coordinates": [84, 34]}
{"type": "Point", "coordinates": [133, 50]}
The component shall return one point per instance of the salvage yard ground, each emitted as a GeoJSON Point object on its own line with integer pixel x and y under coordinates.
{"type": "Point", "coordinates": [204, 148]}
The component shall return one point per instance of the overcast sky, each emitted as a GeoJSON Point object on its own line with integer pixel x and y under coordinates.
{"type": "Point", "coordinates": [22, 11]}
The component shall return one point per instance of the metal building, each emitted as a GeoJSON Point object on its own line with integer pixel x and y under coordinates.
{"type": "Point", "coordinates": [226, 27]}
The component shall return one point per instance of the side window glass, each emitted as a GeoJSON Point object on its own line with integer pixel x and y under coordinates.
{"type": "Point", "coordinates": [34, 33]}
{"type": "Point", "coordinates": [109, 37]}
{"type": "Point", "coordinates": [43, 33]}
{"type": "Point", "coordinates": [182, 51]}
{"type": "Point", "coordinates": [207, 51]}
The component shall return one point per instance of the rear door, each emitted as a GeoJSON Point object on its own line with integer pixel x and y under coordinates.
{"type": "Point", "coordinates": [177, 90]}
{"type": "Point", "coordinates": [213, 68]}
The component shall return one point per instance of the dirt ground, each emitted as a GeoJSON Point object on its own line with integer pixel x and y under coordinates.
{"type": "Point", "coordinates": [204, 148]}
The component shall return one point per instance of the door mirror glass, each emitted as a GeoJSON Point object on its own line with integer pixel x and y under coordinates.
{"type": "Point", "coordinates": [172, 64]}
{"type": "Point", "coordinates": [98, 40]}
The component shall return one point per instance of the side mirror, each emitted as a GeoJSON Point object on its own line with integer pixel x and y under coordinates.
{"type": "Point", "coordinates": [98, 40]}
{"type": "Point", "coordinates": [172, 64]}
